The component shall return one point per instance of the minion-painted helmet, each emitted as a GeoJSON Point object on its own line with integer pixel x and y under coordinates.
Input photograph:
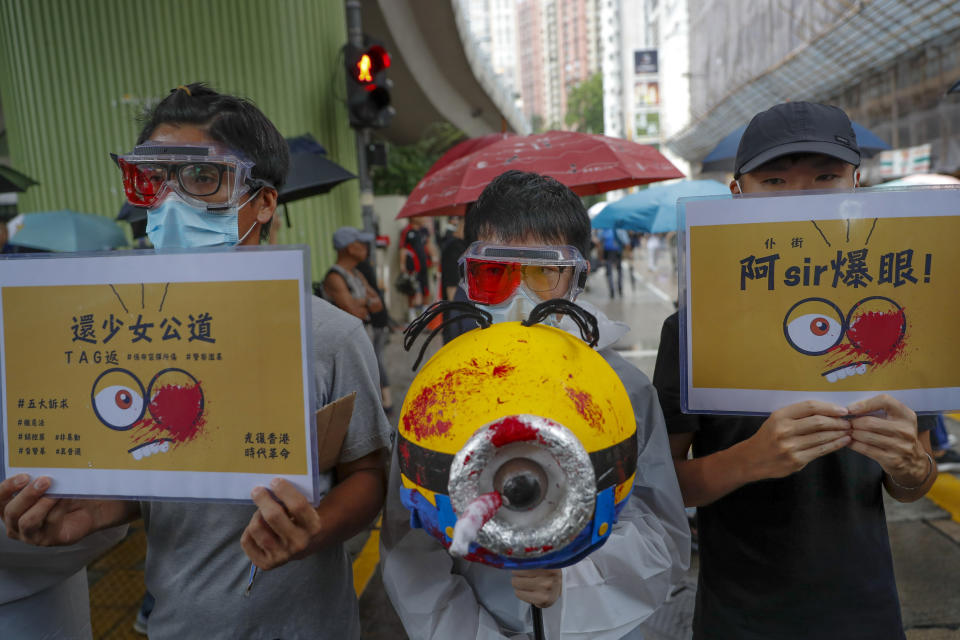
{"type": "Point", "coordinates": [523, 436]}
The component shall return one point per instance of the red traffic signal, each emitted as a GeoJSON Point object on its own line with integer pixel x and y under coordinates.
{"type": "Point", "coordinates": [368, 88]}
{"type": "Point", "coordinates": [369, 63]}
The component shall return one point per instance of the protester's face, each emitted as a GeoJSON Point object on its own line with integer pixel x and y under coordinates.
{"type": "Point", "coordinates": [565, 273]}
{"type": "Point", "coordinates": [800, 174]}
{"type": "Point", "coordinates": [260, 209]}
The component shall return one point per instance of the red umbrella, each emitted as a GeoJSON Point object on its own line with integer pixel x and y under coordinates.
{"type": "Point", "coordinates": [465, 148]}
{"type": "Point", "coordinates": [587, 163]}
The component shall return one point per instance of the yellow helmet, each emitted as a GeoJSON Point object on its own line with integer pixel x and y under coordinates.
{"type": "Point", "coordinates": [532, 417]}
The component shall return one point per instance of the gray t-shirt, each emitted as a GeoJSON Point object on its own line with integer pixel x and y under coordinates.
{"type": "Point", "coordinates": [195, 565]}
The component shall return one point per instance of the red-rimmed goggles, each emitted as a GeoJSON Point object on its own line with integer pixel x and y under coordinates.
{"type": "Point", "coordinates": [205, 176]}
{"type": "Point", "coordinates": [492, 273]}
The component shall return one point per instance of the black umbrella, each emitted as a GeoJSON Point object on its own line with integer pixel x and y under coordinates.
{"type": "Point", "coordinates": [955, 88]}
{"type": "Point", "coordinates": [311, 173]}
{"type": "Point", "coordinates": [12, 180]}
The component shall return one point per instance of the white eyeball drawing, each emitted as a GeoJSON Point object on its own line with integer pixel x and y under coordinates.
{"type": "Point", "coordinates": [814, 326]}
{"type": "Point", "coordinates": [117, 399]}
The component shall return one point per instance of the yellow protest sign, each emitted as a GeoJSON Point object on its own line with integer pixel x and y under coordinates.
{"type": "Point", "coordinates": [118, 383]}
{"type": "Point", "coordinates": [832, 296]}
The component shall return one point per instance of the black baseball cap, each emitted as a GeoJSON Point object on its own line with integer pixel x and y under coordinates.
{"type": "Point", "coordinates": [796, 127]}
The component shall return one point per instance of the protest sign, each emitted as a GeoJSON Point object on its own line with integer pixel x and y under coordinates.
{"type": "Point", "coordinates": [834, 296]}
{"type": "Point", "coordinates": [180, 375]}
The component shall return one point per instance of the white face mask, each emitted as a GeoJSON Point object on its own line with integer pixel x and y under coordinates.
{"type": "Point", "coordinates": [516, 308]}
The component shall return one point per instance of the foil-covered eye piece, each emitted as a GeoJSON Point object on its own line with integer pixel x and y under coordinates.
{"type": "Point", "coordinates": [567, 505]}
{"type": "Point", "coordinates": [522, 484]}
{"type": "Point", "coordinates": [517, 447]}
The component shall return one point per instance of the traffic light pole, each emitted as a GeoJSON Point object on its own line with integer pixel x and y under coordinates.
{"type": "Point", "coordinates": [355, 37]}
{"type": "Point", "coordinates": [366, 182]}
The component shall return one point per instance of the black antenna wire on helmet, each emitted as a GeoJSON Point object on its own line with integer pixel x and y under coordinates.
{"type": "Point", "coordinates": [585, 320]}
{"type": "Point", "coordinates": [467, 310]}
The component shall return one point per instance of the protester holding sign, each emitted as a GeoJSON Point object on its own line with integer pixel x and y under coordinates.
{"type": "Point", "coordinates": [792, 530]}
{"type": "Point", "coordinates": [606, 595]}
{"type": "Point", "coordinates": [199, 554]}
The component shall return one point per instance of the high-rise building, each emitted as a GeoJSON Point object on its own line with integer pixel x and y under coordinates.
{"type": "Point", "coordinates": [493, 24]}
{"type": "Point", "coordinates": [503, 40]}
{"type": "Point", "coordinates": [668, 26]}
{"type": "Point", "coordinates": [886, 62]}
{"type": "Point", "coordinates": [530, 58]}
{"type": "Point", "coordinates": [631, 71]}
{"type": "Point", "coordinates": [557, 49]}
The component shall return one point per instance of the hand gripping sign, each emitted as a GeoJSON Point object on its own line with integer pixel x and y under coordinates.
{"type": "Point", "coordinates": [517, 443]}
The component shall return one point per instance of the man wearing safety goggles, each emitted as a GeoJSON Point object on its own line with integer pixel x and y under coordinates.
{"type": "Point", "coordinates": [529, 234]}
{"type": "Point", "coordinates": [207, 166]}
{"type": "Point", "coordinates": [194, 192]}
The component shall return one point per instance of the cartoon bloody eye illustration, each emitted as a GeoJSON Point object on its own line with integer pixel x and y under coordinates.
{"type": "Point", "coordinates": [813, 326]}
{"type": "Point", "coordinates": [117, 399]}
{"type": "Point", "coordinates": [876, 326]}
{"type": "Point", "coordinates": [176, 404]}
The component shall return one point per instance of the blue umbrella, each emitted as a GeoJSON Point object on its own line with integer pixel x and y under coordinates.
{"type": "Point", "coordinates": [67, 230]}
{"type": "Point", "coordinates": [654, 209]}
{"type": "Point", "coordinates": [725, 153]}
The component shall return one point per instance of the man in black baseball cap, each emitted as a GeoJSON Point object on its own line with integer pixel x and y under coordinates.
{"type": "Point", "coordinates": [796, 146]}
{"type": "Point", "coordinates": [792, 532]}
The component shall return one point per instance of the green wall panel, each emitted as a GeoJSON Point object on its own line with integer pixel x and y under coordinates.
{"type": "Point", "coordinates": [76, 74]}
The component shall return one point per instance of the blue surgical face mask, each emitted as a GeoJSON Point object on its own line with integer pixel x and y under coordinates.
{"type": "Point", "coordinates": [176, 224]}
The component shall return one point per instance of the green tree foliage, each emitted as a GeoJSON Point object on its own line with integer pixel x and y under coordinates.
{"type": "Point", "coordinates": [407, 164]}
{"type": "Point", "coordinates": [537, 124]}
{"type": "Point", "coordinates": [585, 106]}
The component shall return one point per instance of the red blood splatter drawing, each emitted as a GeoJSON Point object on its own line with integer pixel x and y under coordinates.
{"type": "Point", "coordinates": [171, 411]}
{"type": "Point", "coordinates": [872, 334]}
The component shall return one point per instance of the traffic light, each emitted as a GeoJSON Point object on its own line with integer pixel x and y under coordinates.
{"type": "Point", "coordinates": [368, 88]}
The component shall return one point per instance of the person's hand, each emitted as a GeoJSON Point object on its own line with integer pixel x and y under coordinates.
{"type": "Point", "coordinates": [795, 435]}
{"type": "Point", "coordinates": [284, 528]}
{"type": "Point", "coordinates": [889, 436]}
{"type": "Point", "coordinates": [539, 587]}
{"type": "Point", "coordinates": [32, 517]}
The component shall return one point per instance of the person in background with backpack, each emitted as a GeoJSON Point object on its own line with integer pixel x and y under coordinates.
{"type": "Point", "coordinates": [612, 258]}
{"type": "Point", "coordinates": [416, 258]}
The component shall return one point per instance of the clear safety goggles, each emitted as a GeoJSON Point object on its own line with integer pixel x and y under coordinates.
{"type": "Point", "coordinates": [204, 175]}
{"type": "Point", "coordinates": [492, 272]}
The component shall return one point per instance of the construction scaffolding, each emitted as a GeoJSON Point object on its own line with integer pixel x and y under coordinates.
{"type": "Point", "coordinates": [887, 62]}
